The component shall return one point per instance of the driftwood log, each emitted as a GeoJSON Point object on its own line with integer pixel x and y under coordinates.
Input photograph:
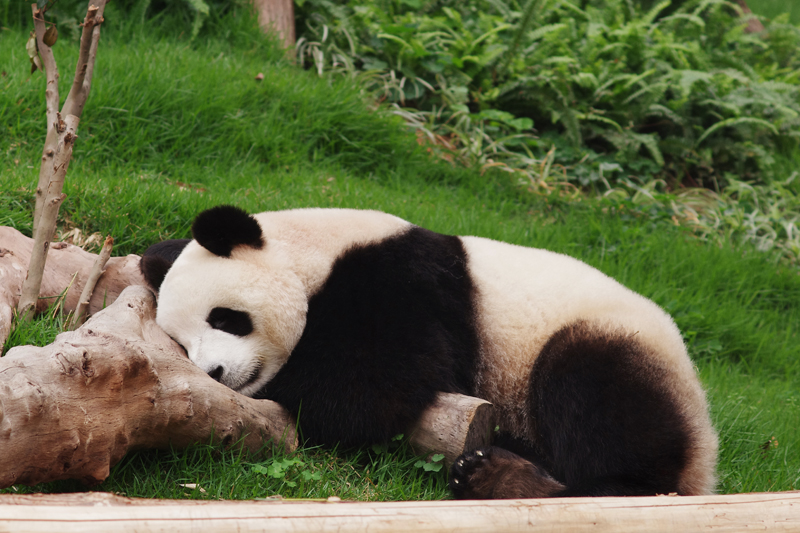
{"type": "Point", "coordinates": [72, 409]}
{"type": "Point", "coordinates": [98, 512]}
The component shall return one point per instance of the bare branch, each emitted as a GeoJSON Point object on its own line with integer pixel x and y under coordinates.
{"type": "Point", "coordinates": [47, 223]}
{"type": "Point", "coordinates": [51, 99]}
{"type": "Point", "coordinates": [61, 136]}
{"type": "Point", "coordinates": [97, 270]}
{"type": "Point", "coordinates": [82, 83]}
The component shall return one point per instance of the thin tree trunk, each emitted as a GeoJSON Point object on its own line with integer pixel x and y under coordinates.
{"type": "Point", "coordinates": [753, 25]}
{"type": "Point", "coordinates": [61, 135]}
{"type": "Point", "coordinates": [278, 16]}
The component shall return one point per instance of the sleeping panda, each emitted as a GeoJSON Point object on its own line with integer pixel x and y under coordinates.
{"type": "Point", "coordinates": [355, 320]}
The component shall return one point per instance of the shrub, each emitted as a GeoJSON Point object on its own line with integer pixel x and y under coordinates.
{"type": "Point", "coordinates": [683, 93]}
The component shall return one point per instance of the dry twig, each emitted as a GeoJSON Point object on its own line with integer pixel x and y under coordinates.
{"type": "Point", "coordinates": [79, 315]}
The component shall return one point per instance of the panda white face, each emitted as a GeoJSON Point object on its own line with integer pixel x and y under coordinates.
{"type": "Point", "coordinates": [237, 300]}
{"type": "Point", "coordinates": [237, 317]}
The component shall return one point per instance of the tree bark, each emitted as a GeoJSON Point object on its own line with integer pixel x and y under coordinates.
{"type": "Point", "coordinates": [278, 16]}
{"type": "Point", "coordinates": [753, 25]}
{"type": "Point", "coordinates": [51, 100]}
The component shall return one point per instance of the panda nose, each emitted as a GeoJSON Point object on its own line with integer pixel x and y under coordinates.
{"type": "Point", "coordinates": [216, 373]}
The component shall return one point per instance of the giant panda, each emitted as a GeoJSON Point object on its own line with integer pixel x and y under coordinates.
{"type": "Point", "coordinates": [354, 320]}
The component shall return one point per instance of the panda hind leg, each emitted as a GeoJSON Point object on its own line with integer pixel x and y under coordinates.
{"type": "Point", "coordinates": [607, 419]}
{"type": "Point", "coordinates": [606, 423]}
{"type": "Point", "coordinates": [496, 473]}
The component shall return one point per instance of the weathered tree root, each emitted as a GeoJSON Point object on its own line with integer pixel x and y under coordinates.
{"type": "Point", "coordinates": [72, 409]}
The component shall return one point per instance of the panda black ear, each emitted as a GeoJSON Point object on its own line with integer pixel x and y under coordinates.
{"type": "Point", "coordinates": [158, 258]}
{"type": "Point", "coordinates": [220, 229]}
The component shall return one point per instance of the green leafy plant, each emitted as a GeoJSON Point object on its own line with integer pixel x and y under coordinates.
{"type": "Point", "coordinates": [764, 216]}
{"type": "Point", "coordinates": [284, 467]}
{"type": "Point", "coordinates": [433, 464]}
{"type": "Point", "coordinates": [683, 93]}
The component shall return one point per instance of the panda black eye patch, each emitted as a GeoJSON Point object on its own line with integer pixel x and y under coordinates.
{"type": "Point", "coordinates": [234, 322]}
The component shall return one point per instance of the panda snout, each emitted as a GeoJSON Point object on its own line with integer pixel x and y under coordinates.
{"type": "Point", "coordinates": [216, 373]}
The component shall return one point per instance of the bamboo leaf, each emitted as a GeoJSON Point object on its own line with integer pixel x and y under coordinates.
{"type": "Point", "coordinates": [599, 118]}
{"type": "Point", "coordinates": [694, 19]}
{"type": "Point", "coordinates": [653, 13]}
{"type": "Point", "coordinates": [736, 122]}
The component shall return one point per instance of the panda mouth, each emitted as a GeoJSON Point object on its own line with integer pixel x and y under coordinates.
{"type": "Point", "coordinates": [251, 378]}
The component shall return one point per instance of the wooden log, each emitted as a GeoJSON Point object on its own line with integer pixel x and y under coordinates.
{"type": "Point", "coordinates": [100, 512]}
{"type": "Point", "coordinates": [74, 408]}
{"type": "Point", "coordinates": [452, 425]}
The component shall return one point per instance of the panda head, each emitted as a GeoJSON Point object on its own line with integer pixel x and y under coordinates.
{"type": "Point", "coordinates": [230, 297]}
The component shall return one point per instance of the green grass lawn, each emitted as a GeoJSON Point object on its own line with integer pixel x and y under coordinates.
{"type": "Point", "coordinates": [173, 127]}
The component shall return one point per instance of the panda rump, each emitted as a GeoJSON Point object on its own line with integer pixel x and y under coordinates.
{"type": "Point", "coordinates": [354, 320]}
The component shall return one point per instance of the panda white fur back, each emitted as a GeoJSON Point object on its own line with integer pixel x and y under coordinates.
{"type": "Point", "coordinates": [515, 324]}
{"type": "Point", "coordinates": [360, 312]}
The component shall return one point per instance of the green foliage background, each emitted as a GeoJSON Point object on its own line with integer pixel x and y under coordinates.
{"type": "Point", "coordinates": [688, 96]}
